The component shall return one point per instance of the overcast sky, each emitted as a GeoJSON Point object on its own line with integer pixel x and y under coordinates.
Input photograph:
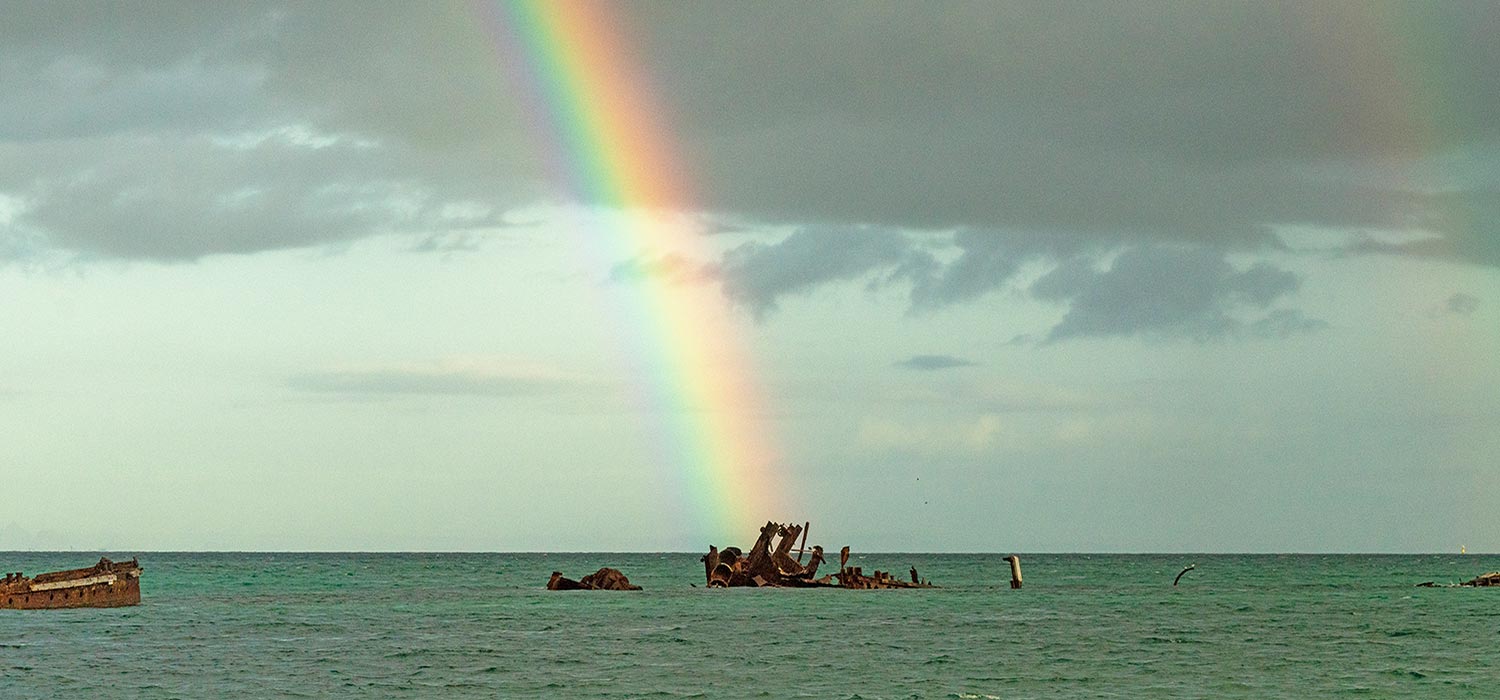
{"type": "Point", "coordinates": [1122, 276]}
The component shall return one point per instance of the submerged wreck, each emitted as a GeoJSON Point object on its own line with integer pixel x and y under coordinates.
{"type": "Point", "coordinates": [107, 584]}
{"type": "Point", "coordinates": [1490, 579]}
{"type": "Point", "coordinates": [1481, 581]}
{"type": "Point", "coordinates": [773, 566]}
{"type": "Point", "coordinates": [605, 579]}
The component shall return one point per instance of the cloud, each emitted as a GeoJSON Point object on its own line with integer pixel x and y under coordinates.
{"type": "Point", "coordinates": [987, 260]}
{"type": "Point", "coordinates": [175, 199]}
{"type": "Point", "coordinates": [1150, 120]}
{"type": "Point", "coordinates": [1462, 304]}
{"type": "Point", "coordinates": [172, 131]}
{"type": "Point", "coordinates": [1155, 290]}
{"type": "Point", "coordinates": [448, 242]}
{"type": "Point", "coordinates": [933, 362]}
{"type": "Point", "coordinates": [444, 378]}
{"type": "Point", "coordinates": [1147, 122]}
{"type": "Point", "coordinates": [1167, 292]}
{"type": "Point", "coordinates": [1284, 323]}
{"type": "Point", "coordinates": [757, 275]}
{"type": "Point", "coordinates": [1460, 225]}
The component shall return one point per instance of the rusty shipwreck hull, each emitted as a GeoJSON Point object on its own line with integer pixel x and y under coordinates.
{"type": "Point", "coordinates": [605, 579]}
{"type": "Point", "coordinates": [769, 563]}
{"type": "Point", "coordinates": [107, 584]}
{"type": "Point", "coordinates": [1484, 580]}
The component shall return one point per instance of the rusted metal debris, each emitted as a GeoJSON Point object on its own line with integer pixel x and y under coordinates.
{"type": "Point", "coordinates": [1490, 579]}
{"type": "Point", "coordinates": [107, 584]}
{"type": "Point", "coordinates": [605, 579]}
{"type": "Point", "coordinates": [1481, 581]}
{"type": "Point", "coordinates": [773, 566]}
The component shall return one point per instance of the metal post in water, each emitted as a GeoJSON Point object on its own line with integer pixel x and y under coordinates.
{"type": "Point", "coordinates": [1190, 567]}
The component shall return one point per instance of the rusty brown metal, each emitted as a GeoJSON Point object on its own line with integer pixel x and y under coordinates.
{"type": "Point", "coordinates": [1484, 580]}
{"type": "Point", "coordinates": [710, 562]}
{"type": "Point", "coordinates": [107, 584]}
{"type": "Point", "coordinates": [768, 566]}
{"type": "Point", "coordinates": [812, 564]}
{"type": "Point", "coordinates": [854, 577]}
{"type": "Point", "coordinates": [605, 579]}
{"type": "Point", "coordinates": [1481, 581]}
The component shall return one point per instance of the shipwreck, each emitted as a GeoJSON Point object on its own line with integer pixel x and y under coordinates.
{"type": "Point", "coordinates": [605, 579]}
{"type": "Point", "coordinates": [1481, 581]}
{"type": "Point", "coordinates": [768, 565]}
{"type": "Point", "coordinates": [107, 584]}
{"type": "Point", "coordinates": [1490, 579]}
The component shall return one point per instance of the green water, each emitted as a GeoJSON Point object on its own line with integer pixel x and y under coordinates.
{"type": "Point", "coordinates": [480, 626]}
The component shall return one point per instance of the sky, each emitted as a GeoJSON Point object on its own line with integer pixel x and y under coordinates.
{"type": "Point", "coordinates": [1066, 277]}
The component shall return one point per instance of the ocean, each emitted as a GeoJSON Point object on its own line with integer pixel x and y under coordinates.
{"type": "Point", "coordinates": [421, 625]}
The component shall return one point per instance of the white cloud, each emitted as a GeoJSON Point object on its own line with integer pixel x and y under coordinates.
{"type": "Point", "coordinates": [490, 377]}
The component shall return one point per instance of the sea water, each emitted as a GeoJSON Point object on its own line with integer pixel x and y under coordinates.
{"type": "Point", "coordinates": [280, 625]}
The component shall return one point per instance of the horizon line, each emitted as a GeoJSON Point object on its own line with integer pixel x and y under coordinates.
{"type": "Point", "coordinates": [699, 552]}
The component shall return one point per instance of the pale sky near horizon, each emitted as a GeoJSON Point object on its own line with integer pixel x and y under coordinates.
{"type": "Point", "coordinates": [1131, 276]}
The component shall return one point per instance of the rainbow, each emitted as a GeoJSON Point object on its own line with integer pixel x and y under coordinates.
{"type": "Point", "coordinates": [610, 141]}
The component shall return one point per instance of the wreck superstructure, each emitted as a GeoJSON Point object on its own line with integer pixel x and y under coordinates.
{"type": "Point", "coordinates": [107, 584]}
{"type": "Point", "coordinates": [773, 566]}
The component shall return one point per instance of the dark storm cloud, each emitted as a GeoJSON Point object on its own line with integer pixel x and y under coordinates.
{"type": "Point", "coordinates": [1172, 292]}
{"type": "Point", "coordinates": [1065, 124]}
{"type": "Point", "coordinates": [987, 260]}
{"type": "Point", "coordinates": [1111, 288]}
{"type": "Point", "coordinates": [1473, 213]}
{"type": "Point", "coordinates": [928, 363]}
{"type": "Point", "coordinates": [177, 130]}
{"type": "Point", "coordinates": [757, 274]}
{"type": "Point", "coordinates": [1159, 120]}
{"type": "Point", "coordinates": [148, 198]}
